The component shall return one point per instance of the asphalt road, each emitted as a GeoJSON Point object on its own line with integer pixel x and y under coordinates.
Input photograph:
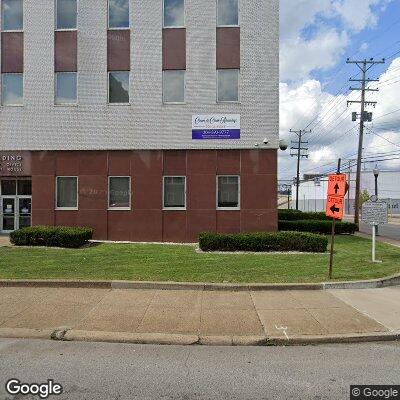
{"type": "Point", "coordinates": [122, 371]}
{"type": "Point", "coordinates": [391, 231]}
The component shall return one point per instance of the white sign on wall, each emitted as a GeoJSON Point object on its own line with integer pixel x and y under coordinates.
{"type": "Point", "coordinates": [216, 126]}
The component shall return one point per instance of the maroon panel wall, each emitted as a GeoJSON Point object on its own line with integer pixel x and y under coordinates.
{"type": "Point", "coordinates": [174, 49]}
{"type": "Point", "coordinates": [65, 51]}
{"type": "Point", "coordinates": [119, 50]}
{"type": "Point", "coordinates": [228, 48]}
{"type": "Point", "coordinates": [12, 52]}
{"type": "Point", "coordinates": [147, 221]}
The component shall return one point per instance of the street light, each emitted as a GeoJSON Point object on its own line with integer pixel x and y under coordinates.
{"type": "Point", "coordinates": [376, 174]}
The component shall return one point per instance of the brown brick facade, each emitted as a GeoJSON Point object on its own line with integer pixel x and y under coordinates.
{"type": "Point", "coordinates": [147, 221]}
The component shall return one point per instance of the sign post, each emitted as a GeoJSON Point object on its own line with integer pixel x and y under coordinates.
{"type": "Point", "coordinates": [374, 213]}
{"type": "Point", "coordinates": [337, 189]}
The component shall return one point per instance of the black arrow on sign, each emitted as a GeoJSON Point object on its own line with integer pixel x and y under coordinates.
{"type": "Point", "coordinates": [334, 209]}
{"type": "Point", "coordinates": [336, 188]}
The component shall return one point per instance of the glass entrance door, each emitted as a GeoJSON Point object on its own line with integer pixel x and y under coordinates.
{"type": "Point", "coordinates": [24, 212]}
{"type": "Point", "coordinates": [8, 208]}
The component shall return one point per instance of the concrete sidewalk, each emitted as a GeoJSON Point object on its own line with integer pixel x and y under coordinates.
{"type": "Point", "coordinates": [194, 316]}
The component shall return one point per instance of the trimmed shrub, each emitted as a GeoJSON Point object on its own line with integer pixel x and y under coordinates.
{"type": "Point", "coordinates": [51, 236]}
{"type": "Point", "coordinates": [295, 215]}
{"type": "Point", "coordinates": [324, 227]}
{"type": "Point", "coordinates": [263, 241]}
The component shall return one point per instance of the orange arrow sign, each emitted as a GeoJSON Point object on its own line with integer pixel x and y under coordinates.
{"type": "Point", "coordinates": [335, 207]}
{"type": "Point", "coordinates": [337, 185]}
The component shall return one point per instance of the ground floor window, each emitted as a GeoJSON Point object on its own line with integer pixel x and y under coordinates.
{"type": "Point", "coordinates": [174, 192]}
{"type": "Point", "coordinates": [119, 192]}
{"type": "Point", "coordinates": [228, 192]}
{"type": "Point", "coordinates": [67, 193]}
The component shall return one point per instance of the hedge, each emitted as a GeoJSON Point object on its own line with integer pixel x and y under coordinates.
{"type": "Point", "coordinates": [263, 241]}
{"type": "Point", "coordinates": [295, 215]}
{"type": "Point", "coordinates": [324, 227]}
{"type": "Point", "coordinates": [51, 236]}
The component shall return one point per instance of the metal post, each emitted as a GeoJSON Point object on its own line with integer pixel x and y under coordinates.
{"type": "Point", "coordinates": [373, 243]}
{"type": "Point", "coordinates": [376, 194]}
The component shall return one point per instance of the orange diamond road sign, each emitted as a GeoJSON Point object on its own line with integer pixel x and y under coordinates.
{"type": "Point", "coordinates": [335, 207]}
{"type": "Point", "coordinates": [337, 185]}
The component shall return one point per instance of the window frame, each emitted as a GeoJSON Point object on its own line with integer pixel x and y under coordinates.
{"type": "Point", "coordinates": [2, 19]}
{"type": "Point", "coordinates": [165, 208]}
{"type": "Point", "coordinates": [228, 26]}
{"type": "Point", "coordinates": [118, 28]}
{"type": "Point", "coordinates": [65, 29]}
{"type": "Point", "coordinates": [173, 27]}
{"type": "Point", "coordinates": [237, 208]}
{"type": "Point", "coordinates": [184, 87]}
{"type": "Point", "coordinates": [2, 89]}
{"type": "Point", "coordinates": [109, 208]}
{"type": "Point", "coordinates": [55, 90]}
{"type": "Point", "coordinates": [77, 194]}
{"type": "Point", "coordinates": [239, 83]}
{"type": "Point", "coordinates": [108, 89]}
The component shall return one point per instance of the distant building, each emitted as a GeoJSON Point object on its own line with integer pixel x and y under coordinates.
{"type": "Point", "coordinates": [312, 193]}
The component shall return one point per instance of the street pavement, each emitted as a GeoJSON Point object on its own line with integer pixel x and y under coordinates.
{"type": "Point", "coordinates": [391, 231]}
{"type": "Point", "coordinates": [205, 314]}
{"type": "Point", "coordinates": [105, 371]}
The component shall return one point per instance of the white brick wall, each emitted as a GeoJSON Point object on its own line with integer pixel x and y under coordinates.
{"type": "Point", "coordinates": [146, 123]}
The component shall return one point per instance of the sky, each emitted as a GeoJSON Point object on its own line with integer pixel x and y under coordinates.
{"type": "Point", "coordinates": [317, 37]}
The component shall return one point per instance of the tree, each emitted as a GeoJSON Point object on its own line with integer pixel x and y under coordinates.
{"type": "Point", "coordinates": [364, 197]}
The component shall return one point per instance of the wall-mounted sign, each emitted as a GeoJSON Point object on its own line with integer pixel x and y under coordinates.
{"type": "Point", "coordinates": [11, 163]}
{"type": "Point", "coordinates": [215, 126]}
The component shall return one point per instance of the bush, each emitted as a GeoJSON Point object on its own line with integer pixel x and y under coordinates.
{"type": "Point", "coordinates": [295, 215]}
{"type": "Point", "coordinates": [51, 236]}
{"type": "Point", "coordinates": [263, 241]}
{"type": "Point", "coordinates": [324, 227]}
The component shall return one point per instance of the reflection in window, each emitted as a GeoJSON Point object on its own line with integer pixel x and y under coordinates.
{"type": "Point", "coordinates": [118, 87]}
{"type": "Point", "coordinates": [174, 192]}
{"type": "Point", "coordinates": [66, 88]}
{"type": "Point", "coordinates": [8, 187]}
{"type": "Point", "coordinates": [228, 192]}
{"type": "Point", "coordinates": [228, 13]}
{"type": "Point", "coordinates": [24, 187]}
{"type": "Point", "coordinates": [67, 192]}
{"type": "Point", "coordinates": [118, 13]}
{"type": "Point", "coordinates": [174, 13]}
{"type": "Point", "coordinates": [174, 87]}
{"type": "Point", "coordinates": [119, 192]}
{"type": "Point", "coordinates": [66, 14]}
{"type": "Point", "coordinates": [12, 15]}
{"type": "Point", "coordinates": [12, 89]}
{"type": "Point", "coordinates": [228, 85]}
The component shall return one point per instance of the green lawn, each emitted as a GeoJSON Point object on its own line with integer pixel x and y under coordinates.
{"type": "Point", "coordinates": [182, 263]}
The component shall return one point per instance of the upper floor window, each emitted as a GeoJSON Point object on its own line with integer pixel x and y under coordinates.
{"type": "Point", "coordinates": [174, 86]}
{"type": "Point", "coordinates": [12, 89]}
{"type": "Point", "coordinates": [174, 13]}
{"type": "Point", "coordinates": [118, 14]}
{"type": "Point", "coordinates": [66, 88]}
{"type": "Point", "coordinates": [118, 87]}
{"type": "Point", "coordinates": [66, 14]}
{"type": "Point", "coordinates": [228, 13]}
{"type": "Point", "coordinates": [228, 85]}
{"type": "Point", "coordinates": [12, 15]}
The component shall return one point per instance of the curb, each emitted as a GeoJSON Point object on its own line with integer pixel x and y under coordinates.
{"type": "Point", "coordinates": [188, 340]}
{"type": "Point", "coordinates": [393, 280]}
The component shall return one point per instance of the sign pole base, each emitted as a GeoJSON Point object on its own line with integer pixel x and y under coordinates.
{"type": "Point", "coordinates": [374, 260]}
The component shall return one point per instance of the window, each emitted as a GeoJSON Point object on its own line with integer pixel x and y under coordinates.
{"type": "Point", "coordinates": [12, 89]}
{"type": "Point", "coordinates": [228, 192]}
{"type": "Point", "coordinates": [118, 87]}
{"type": "Point", "coordinates": [174, 87]}
{"type": "Point", "coordinates": [174, 13]}
{"type": "Point", "coordinates": [66, 88]}
{"type": "Point", "coordinates": [118, 14]}
{"type": "Point", "coordinates": [24, 187]}
{"type": "Point", "coordinates": [119, 192]}
{"type": "Point", "coordinates": [228, 13]}
{"type": "Point", "coordinates": [67, 192]}
{"type": "Point", "coordinates": [66, 14]}
{"type": "Point", "coordinates": [12, 11]}
{"type": "Point", "coordinates": [228, 85]}
{"type": "Point", "coordinates": [8, 187]}
{"type": "Point", "coordinates": [175, 192]}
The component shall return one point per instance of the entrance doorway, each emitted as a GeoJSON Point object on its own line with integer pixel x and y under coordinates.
{"type": "Point", "coordinates": [15, 204]}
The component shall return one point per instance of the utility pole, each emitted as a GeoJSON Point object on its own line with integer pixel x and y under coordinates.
{"type": "Point", "coordinates": [298, 150]}
{"type": "Point", "coordinates": [364, 65]}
